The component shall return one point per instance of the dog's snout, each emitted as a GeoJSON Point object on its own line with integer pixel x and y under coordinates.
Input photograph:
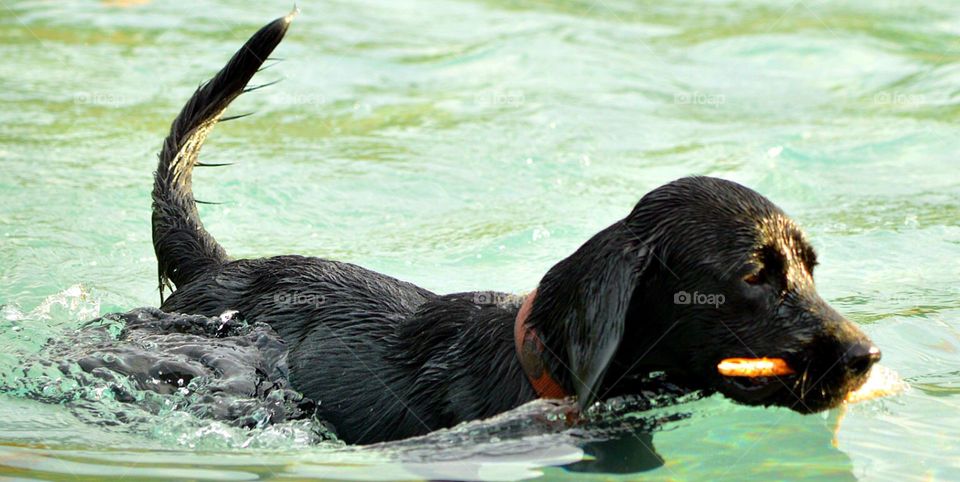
{"type": "Point", "coordinates": [860, 357]}
{"type": "Point", "coordinates": [858, 353]}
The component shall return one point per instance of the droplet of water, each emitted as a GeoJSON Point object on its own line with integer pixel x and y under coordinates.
{"type": "Point", "coordinates": [540, 233]}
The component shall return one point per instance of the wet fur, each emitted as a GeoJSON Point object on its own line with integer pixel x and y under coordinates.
{"type": "Point", "coordinates": [385, 359]}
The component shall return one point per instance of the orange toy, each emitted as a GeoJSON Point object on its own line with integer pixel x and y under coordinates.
{"type": "Point", "coordinates": [754, 367]}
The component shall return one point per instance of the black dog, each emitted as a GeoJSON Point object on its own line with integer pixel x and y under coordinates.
{"type": "Point", "coordinates": [701, 270]}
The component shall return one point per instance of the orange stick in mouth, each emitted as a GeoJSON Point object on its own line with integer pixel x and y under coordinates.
{"type": "Point", "coordinates": [754, 367]}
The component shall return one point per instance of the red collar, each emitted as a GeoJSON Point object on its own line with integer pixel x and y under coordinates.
{"type": "Point", "coordinates": [529, 352]}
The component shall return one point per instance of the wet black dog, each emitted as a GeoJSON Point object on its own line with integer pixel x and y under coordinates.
{"type": "Point", "coordinates": [702, 269]}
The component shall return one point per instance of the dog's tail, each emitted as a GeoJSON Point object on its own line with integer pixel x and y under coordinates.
{"type": "Point", "coordinates": [184, 248]}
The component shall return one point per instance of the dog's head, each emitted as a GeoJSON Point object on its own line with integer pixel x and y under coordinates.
{"type": "Point", "coordinates": [701, 270]}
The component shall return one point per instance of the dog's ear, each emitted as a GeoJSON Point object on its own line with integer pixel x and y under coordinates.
{"type": "Point", "coordinates": [582, 306]}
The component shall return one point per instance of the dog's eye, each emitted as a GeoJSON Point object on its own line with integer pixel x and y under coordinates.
{"type": "Point", "coordinates": [768, 268]}
{"type": "Point", "coordinates": [753, 278]}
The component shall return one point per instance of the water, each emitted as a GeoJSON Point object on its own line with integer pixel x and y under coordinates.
{"type": "Point", "coordinates": [470, 145]}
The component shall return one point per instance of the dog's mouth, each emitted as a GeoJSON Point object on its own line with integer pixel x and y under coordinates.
{"type": "Point", "coordinates": [797, 386]}
{"type": "Point", "coordinates": [755, 389]}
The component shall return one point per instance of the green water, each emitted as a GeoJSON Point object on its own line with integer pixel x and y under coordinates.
{"type": "Point", "coordinates": [470, 145]}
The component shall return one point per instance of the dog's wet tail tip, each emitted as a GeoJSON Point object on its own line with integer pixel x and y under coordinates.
{"type": "Point", "coordinates": [293, 14]}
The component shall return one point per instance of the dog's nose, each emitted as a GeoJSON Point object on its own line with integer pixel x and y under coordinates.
{"type": "Point", "coordinates": [860, 357]}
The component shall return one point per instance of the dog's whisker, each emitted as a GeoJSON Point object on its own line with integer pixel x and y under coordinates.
{"type": "Point", "coordinates": [806, 375]}
{"type": "Point", "coordinates": [803, 380]}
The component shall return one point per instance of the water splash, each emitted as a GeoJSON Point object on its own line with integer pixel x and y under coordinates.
{"type": "Point", "coordinates": [196, 381]}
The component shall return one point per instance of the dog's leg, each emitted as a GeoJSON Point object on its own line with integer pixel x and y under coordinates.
{"type": "Point", "coordinates": [184, 248]}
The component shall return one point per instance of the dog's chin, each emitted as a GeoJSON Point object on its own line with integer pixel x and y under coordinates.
{"type": "Point", "coordinates": [789, 391]}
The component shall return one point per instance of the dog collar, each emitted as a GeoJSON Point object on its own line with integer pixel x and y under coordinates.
{"type": "Point", "coordinates": [530, 353]}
